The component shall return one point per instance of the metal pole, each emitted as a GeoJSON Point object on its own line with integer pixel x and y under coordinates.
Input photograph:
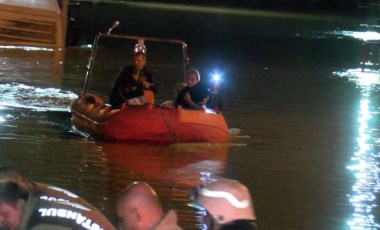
{"type": "Point", "coordinates": [90, 64]}
{"type": "Point", "coordinates": [186, 60]}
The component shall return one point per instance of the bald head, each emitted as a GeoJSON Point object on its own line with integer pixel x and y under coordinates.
{"type": "Point", "coordinates": [138, 207]}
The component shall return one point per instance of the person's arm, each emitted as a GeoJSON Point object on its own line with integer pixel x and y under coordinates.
{"type": "Point", "coordinates": [203, 102]}
{"type": "Point", "coordinates": [190, 102]}
{"type": "Point", "coordinates": [197, 96]}
{"type": "Point", "coordinates": [205, 97]}
{"type": "Point", "coordinates": [150, 83]}
{"type": "Point", "coordinates": [181, 97]}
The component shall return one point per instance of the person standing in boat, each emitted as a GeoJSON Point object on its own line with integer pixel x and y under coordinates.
{"type": "Point", "coordinates": [195, 94]}
{"type": "Point", "coordinates": [134, 85]}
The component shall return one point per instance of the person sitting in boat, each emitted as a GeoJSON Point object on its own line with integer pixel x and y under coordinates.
{"type": "Point", "coordinates": [195, 94]}
{"type": "Point", "coordinates": [134, 85]}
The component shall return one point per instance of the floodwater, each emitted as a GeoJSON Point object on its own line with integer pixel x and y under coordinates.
{"type": "Point", "coordinates": [308, 115]}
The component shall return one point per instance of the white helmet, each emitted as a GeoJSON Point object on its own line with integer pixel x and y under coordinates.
{"type": "Point", "coordinates": [226, 200]}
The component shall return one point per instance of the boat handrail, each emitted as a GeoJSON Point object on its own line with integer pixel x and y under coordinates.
{"type": "Point", "coordinates": [185, 56]}
{"type": "Point", "coordinates": [133, 37]}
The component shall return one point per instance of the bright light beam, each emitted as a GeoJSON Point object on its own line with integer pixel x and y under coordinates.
{"type": "Point", "coordinates": [216, 77]}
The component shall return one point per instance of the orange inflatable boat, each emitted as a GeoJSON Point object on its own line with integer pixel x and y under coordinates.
{"type": "Point", "coordinates": [147, 123]}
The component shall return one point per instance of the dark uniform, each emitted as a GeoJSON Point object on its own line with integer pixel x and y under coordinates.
{"type": "Point", "coordinates": [198, 94]}
{"type": "Point", "coordinates": [126, 87]}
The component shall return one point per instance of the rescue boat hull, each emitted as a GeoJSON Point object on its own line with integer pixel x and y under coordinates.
{"type": "Point", "coordinates": [148, 123]}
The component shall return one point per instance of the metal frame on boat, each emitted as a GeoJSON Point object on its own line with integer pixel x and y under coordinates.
{"type": "Point", "coordinates": [140, 40]}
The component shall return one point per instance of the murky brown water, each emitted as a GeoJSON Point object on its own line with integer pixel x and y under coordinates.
{"type": "Point", "coordinates": [309, 143]}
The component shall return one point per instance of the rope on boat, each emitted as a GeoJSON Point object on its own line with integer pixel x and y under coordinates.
{"type": "Point", "coordinates": [87, 118]}
{"type": "Point", "coordinates": [172, 134]}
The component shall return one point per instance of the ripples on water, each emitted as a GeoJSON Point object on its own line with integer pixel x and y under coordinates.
{"type": "Point", "coordinates": [306, 140]}
{"type": "Point", "coordinates": [35, 98]}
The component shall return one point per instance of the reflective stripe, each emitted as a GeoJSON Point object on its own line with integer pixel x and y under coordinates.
{"type": "Point", "coordinates": [226, 195]}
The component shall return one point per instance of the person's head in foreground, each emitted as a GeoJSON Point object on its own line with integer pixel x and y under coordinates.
{"type": "Point", "coordinates": [12, 204]}
{"type": "Point", "coordinates": [224, 204]}
{"type": "Point", "coordinates": [138, 207]}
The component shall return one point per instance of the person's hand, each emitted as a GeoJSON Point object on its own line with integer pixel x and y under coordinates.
{"type": "Point", "coordinates": [146, 84]}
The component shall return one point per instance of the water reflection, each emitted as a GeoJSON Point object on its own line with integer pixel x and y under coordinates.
{"type": "Point", "coordinates": [31, 65]}
{"type": "Point", "coordinates": [365, 36]}
{"type": "Point", "coordinates": [180, 164]}
{"type": "Point", "coordinates": [365, 162]}
{"type": "Point", "coordinates": [367, 79]}
{"type": "Point", "coordinates": [172, 170]}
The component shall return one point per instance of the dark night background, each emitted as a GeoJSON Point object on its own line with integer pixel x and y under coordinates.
{"type": "Point", "coordinates": [308, 149]}
{"type": "Point", "coordinates": [332, 6]}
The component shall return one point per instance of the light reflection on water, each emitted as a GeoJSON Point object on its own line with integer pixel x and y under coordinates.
{"type": "Point", "coordinates": [31, 65]}
{"type": "Point", "coordinates": [172, 170]}
{"type": "Point", "coordinates": [366, 79]}
{"type": "Point", "coordinates": [365, 161]}
{"type": "Point", "coordinates": [23, 96]}
{"type": "Point", "coordinates": [27, 48]}
{"type": "Point", "coordinates": [365, 36]}
{"type": "Point", "coordinates": [366, 171]}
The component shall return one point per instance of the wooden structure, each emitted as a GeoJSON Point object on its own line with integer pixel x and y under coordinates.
{"type": "Point", "coordinates": [39, 23]}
